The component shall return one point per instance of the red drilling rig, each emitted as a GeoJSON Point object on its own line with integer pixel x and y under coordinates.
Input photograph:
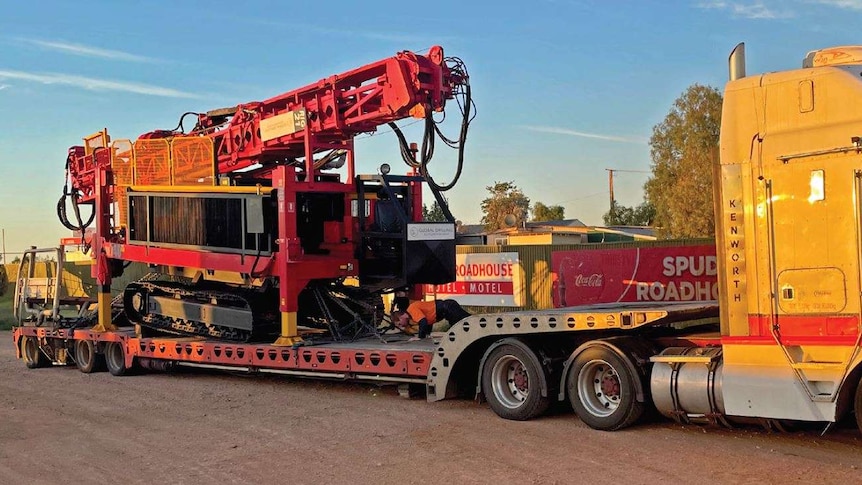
{"type": "Point", "coordinates": [255, 218]}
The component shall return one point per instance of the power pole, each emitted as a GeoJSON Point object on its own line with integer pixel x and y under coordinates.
{"type": "Point", "coordinates": [611, 182]}
{"type": "Point", "coordinates": [611, 185]}
{"type": "Point", "coordinates": [4, 245]}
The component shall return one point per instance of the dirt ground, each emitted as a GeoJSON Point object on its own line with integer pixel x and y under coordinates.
{"type": "Point", "coordinates": [58, 425]}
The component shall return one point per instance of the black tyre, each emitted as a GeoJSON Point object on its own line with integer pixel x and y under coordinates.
{"type": "Point", "coordinates": [86, 357]}
{"type": "Point", "coordinates": [511, 384]}
{"type": "Point", "coordinates": [33, 356]}
{"type": "Point", "coordinates": [115, 358]}
{"type": "Point", "coordinates": [857, 405]}
{"type": "Point", "coordinates": [602, 390]}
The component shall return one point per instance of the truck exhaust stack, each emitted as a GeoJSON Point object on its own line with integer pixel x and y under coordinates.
{"type": "Point", "coordinates": [736, 62]}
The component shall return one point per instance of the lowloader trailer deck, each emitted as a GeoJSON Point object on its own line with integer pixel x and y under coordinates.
{"type": "Point", "coordinates": [507, 357]}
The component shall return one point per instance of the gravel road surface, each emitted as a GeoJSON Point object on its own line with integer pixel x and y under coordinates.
{"type": "Point", "coordinates": [58, 425]}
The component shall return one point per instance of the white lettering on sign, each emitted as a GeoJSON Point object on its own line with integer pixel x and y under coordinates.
{"type": "Point", "coordinates": [693, 265]}
{"type": "Point", "coordinates": [591, 281]}
{"type": "Point", "coordinates": [443, 231]}
{"type": "Point", "coordinates": [677, 291]}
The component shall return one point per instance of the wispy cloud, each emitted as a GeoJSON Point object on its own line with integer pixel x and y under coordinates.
{"type": "Point", "coordinates": [848, 4]}
{"type": "Point", "coordinates": [85, 50]}
{"type": "Point", "coordinates": [565, 131]}
{"type": "Point", "coordinates": [93, 84]}
{"type": "Point", "coordinates": [749, 10]}
{"type": "Point", "coordinates": [3, 86]}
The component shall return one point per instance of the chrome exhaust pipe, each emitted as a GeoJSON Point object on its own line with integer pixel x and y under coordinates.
{"type": "Point", "coordinates": [736, 62]}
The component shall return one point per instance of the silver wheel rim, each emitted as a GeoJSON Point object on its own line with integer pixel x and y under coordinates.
{"type": "Point", "coordinates": [114, 355]}
{"type": "Point", "coordinates": [510, 382]}
{"type": "Point", "coordinates": [599, 388]}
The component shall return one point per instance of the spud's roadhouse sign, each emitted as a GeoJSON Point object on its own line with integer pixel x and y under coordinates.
{"type": "Point", "coordinates": [686, 272]}
{"type": "Point", "coordinates": [484, 279]}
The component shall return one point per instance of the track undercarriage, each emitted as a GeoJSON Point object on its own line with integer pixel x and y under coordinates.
{"type": "Point", "coordinates": [330, 310]}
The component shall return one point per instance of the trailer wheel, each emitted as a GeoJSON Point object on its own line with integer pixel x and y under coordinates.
{"type": "Point", "coordinates": [510, 383]}
{"type": "Point", "coordinates": [115, 358]}
{"type": "Point", "coordinates": [602, 390]}
{"type": "Point", "coordinates": [33, 356]}
{"type": "Point", "coordinates": [86, 357]}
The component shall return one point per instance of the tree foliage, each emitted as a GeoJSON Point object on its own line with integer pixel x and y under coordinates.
{"type": "Point", "coordinates": [683, 147]}
{"type": "Point", "coordinates": [542, 212]}
{"type": "Point", "coordinates": [620, 215]}
{"type": "Point", "coordinates": [434, 213]}
{"type": "Point", "coordinates": [506, 198]}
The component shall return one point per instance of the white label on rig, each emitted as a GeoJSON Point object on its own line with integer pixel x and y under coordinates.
{"type": "Point", "coordinates": [431, 231]}
{"type": "Point", "coordinates": [282, 124]}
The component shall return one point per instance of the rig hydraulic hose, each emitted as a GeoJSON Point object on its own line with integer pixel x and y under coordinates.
{"type": "Point", "coordinates": [426, 152]}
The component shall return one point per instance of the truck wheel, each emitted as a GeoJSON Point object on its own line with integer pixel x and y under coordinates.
{"type": "Point", "coordinates": [33, 356]}
{"type": "Point", "coordinates": [857, 405]}
{"type": "Point", "coordinates": [602, 390]}
{"type": "Point", "coordinates": [510, 383]}
{"type": "Point", "coordinates": [86, 357]}
{"type": "Point", "coordinates": [115, 358]}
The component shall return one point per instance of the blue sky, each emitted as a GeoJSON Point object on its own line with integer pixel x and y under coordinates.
{"type": "Point", "coordinates": [564, 89]}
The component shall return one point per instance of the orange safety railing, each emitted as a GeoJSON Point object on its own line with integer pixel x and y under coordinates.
{"type": "Point", "coordinates": [193, 161]}
{"type": "Point", "coordinates": [122, 164]}
{"type": "Point", "coordinates": [152, 162]}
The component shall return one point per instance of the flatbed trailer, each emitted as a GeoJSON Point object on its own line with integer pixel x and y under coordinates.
{"type": "Point", "coordinates": [448, 365]}
{"type": "Point", "coordinates": [396, 360]}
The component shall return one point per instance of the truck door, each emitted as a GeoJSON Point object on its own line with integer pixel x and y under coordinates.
{"type": "Point", "coordinates": [813, 213]}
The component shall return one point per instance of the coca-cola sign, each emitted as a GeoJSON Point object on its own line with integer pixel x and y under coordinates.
{"type": "Point", "coordinates": [592, 281]}
{"type": "Point", "coordinates": [592, 275]}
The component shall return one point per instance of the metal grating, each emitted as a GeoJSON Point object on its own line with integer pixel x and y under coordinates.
{"type": "Point", "coordinates": [122, 166]}
{"type": "Point", "coordinates": [152, 162]}
{"type": "Point", "coordinates": [193, 161]}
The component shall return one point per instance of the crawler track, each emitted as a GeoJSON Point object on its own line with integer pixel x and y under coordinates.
{"type": "Point", "coordinates": [344, 312]}
{"type": "Point", "coordinates": [137, 295]}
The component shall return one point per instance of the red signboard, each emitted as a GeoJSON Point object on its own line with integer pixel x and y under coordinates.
{"type": "Point", "coordinates": [483, 279]}
{"type": "Point", "coordinates": [678, 273]}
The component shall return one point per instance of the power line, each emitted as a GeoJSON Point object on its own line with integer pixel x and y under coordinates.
{"type": "Point", "coordinates": [611, 172]}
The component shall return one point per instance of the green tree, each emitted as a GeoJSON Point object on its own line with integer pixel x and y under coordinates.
{"type": "Point", "coordinates": [434, 213]}
{"type": "Point", "coordinates": [541, 212]}
{"type": "Point", "coordinates": [620, 215]}
{"type": "Point", "coordinates": [506, 199]}
{"type": "Point", "coordinates": [683, 148]}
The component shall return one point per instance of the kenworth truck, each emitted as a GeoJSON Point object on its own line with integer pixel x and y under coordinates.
{"type": "Point", "coordinates": [781, 343]}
